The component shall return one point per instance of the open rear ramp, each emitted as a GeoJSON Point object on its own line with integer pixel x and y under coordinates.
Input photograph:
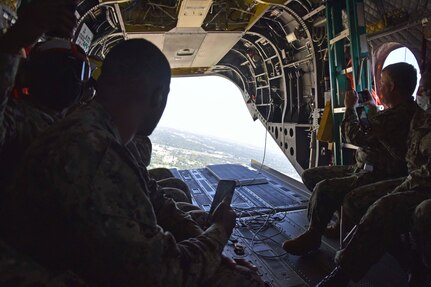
{"type": "Point", "coordinates": [270, 211]}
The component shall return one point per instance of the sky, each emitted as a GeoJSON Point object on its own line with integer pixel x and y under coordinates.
{"type": "Point", "coordinates": [212, 106]}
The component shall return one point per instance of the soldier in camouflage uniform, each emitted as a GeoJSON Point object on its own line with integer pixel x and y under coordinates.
{"type": "Point", "coordinates": [391, 215]}
{"type": "Point", "coordinates": [21, 120]}
{"type": "Point", "coordinates": [87, 205]}
{"type": "Point", "coordinates": [359, 200]}
{"type": "Point", "coordinates": [381, 153]}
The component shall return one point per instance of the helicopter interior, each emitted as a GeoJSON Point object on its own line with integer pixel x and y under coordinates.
{"type": "Point", "coordinates": [278, 54]}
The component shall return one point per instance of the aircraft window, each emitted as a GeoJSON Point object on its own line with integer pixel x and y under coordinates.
{"type": "Point", "coordinates": [403, 54]}
{"type": "Point", "coordinates": [206, 121]}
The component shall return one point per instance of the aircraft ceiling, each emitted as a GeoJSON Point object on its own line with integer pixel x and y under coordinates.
{"type": "Point", "coordinates": [275, 51]}
{"type": "Point", "coordinates": [407, 33]}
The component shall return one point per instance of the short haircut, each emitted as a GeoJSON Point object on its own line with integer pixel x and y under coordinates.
{"type": "Point", "coordinates": [404, 77]}
{"type": "Point", "coordinates": [133, 60]}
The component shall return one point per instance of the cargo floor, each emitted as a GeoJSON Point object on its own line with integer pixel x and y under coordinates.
{"type": "Point", "coordinates": [270, 211]}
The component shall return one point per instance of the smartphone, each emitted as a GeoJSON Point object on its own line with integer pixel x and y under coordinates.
{"type": "Point", "coordinates": [363, 117]}
{"type": "Point", "coordinates": [364, 96]}
{"type": "Point", "coordinates": [224, 189]}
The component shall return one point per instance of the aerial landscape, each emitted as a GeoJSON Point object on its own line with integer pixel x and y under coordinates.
{"type": "Point", "coordinates": [183, 150]}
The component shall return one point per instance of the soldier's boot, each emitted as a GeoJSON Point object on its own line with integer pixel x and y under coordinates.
{"type": "Point", "coordinates": [303, 244]}
{"type": "Point", "coordinates": [337, 278]}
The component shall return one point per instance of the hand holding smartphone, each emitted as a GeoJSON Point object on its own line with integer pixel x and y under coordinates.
{"type": "Point", "coordinates": [225, 189]}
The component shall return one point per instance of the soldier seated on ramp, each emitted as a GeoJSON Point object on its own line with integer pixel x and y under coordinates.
{"type": "Point", "coordinates": [394, 213]}
{"type": "Point", "coordinates": [381, 153]}
{"type": "Point", "coordinates": [87, 206]}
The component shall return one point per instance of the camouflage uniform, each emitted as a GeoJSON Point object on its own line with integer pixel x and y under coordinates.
{"type": "Point", "coordinates": [87, 207]}
{"type": "Point", "coordinates": [382, 147]}
{"type": "Point", "coordinates": [421, 230]}
{"type": "Point", "coordinates": [20, 121]}
{"type": "Point", "coordinates": [391, 215]}
{"type": "Point", "coordinates": [174, 188]}
{"type": "Point", "coordinates": [357, 202]}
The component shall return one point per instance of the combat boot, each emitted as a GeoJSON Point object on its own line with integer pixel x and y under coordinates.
{"type": "Point", "coordinates": [337, 278]}
{"type": "Point", "coordinates": [303, 244]}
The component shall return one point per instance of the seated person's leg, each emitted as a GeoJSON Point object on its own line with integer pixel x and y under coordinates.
{"type": "Point", "coordinates": [381, 226]}
{"type": "Point", "coordinates": [160, 173]}
{"type": "Point", "coordinates": [177, 184]}
{"type": "Point", "coordinates": [311, 177]}
{"type": "Point", "coordinates": [421, 230]}
{"type": "Point", "coordinates": [360, 199]}
{"type": "Point", "coordinates": [175, 194]}
{"type": "Point", "coordinates": [325, 200]}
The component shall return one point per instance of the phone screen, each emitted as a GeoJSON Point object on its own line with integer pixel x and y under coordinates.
{"type": "Point", "coordinates": [363, 117]}
{"type": "Point", "coordinates": [364, 96]}
{"type": "Point", "coordinates": [224, 189]}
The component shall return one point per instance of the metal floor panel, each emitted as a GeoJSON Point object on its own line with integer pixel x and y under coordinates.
{"type": "Point", "coordinates": [262, 247]}
{"type": "Point", "coordinates": [270, 196]}
{"type": "Point", "coordinates": [245, 175]}
{"type": "Point", "coordinates": [262, 228]}
{"type": "Point", "coordinates": [262, 244]}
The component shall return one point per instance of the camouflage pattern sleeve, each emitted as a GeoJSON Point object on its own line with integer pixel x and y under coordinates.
{"type": "Point", "coordinates": [172, 219]}
{"type": "Point", "coordinates": [138, 249]}
{"type": "Point", "coordinates": [384, 144]}
{"type": "Point", "coordinates": [169, 217]}
{"type": "Point", "coordinates": [419, 178]}
{"type": "Point", "coordinates": [419, 154]}
{"type": "Point", "coordinates": [353, 131]}
{"type": "Point", "coordinates": [102, 225]}
{"type": "Point", "coordinates": [8, 69]}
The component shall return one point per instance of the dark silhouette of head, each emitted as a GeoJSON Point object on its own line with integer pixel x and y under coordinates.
{"type": "Point", "coordinates": [134, 86]}
{"type": "Point", "coordinates": [55, 73]}
{"type": "Point", "coordinates": [398, 84]}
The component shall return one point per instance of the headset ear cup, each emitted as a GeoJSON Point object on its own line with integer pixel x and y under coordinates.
{"type": "Point", "coordinates": [88, 91]}
{"type": "Point", "coordinates": [22, 78]}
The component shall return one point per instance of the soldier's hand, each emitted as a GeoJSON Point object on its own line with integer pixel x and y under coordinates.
{"type": "Point", "coordinates": [351, 99]}
{"type": "Point", "coordinates": [37, 18]}
{"type": "Point", "coordinates": [224, 216]}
